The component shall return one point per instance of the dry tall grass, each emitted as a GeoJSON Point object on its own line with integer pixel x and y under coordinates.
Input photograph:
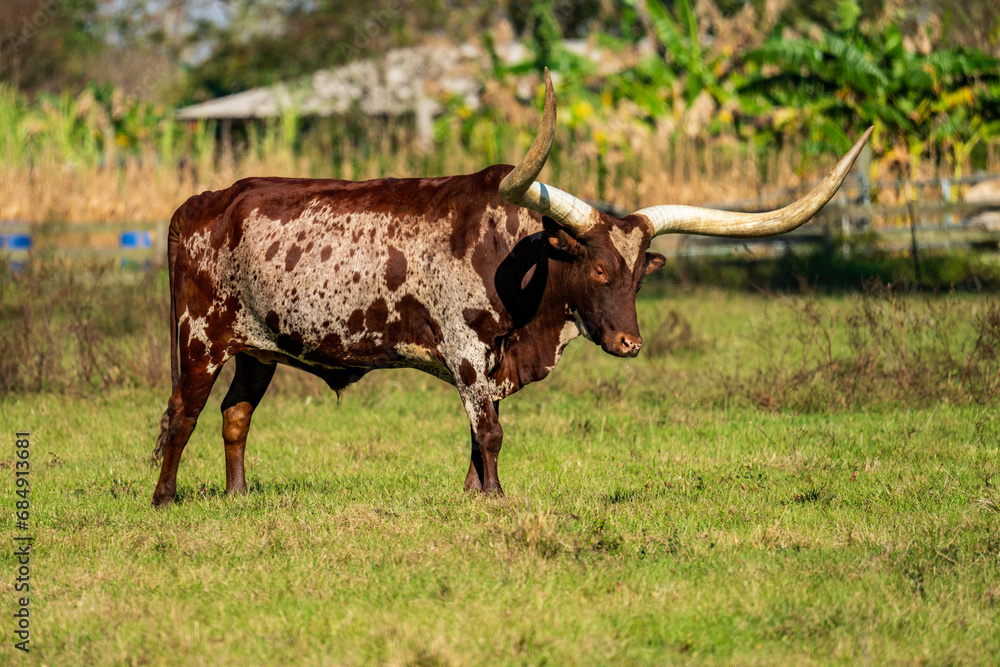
{"type": "Point", "coordinates": [88, 159]}
{"type": "Point", "coordinates": [635, 170]}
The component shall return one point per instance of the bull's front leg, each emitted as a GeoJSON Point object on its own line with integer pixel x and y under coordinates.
{"type": "Point", "coordinates": [487, 437]}
{"type": "Point", "coordinates": [474, 480]}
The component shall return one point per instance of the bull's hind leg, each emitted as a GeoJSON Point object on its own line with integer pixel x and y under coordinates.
{"type": "Point", "coordinates": [193, 387]}
{"type": "Point", "coordinates": [248, 387]}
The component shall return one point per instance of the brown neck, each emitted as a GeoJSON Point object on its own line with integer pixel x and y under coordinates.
{"type": "Point", "coordinates": [533, 287]}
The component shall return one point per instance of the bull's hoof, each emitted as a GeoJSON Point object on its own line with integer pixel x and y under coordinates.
{"type": "Point", "coordinates": [494, 490]}
{"type": "Point", "coordinates": [474, 485]}
{"type": "Point", "coordinates": [162, 499]}
{"type": "Point", "coordinates": [472, 482]}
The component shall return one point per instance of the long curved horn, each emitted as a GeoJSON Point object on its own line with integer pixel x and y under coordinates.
{"type": "Point", "coordinates": [671, 219]}
{"type": "Point", "coordinates": [520, 187]}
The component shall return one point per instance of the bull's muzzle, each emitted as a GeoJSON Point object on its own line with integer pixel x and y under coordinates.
{"type": "Point", "coordinates": [624, 345]}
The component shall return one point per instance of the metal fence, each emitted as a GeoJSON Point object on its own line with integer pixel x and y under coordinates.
{"type": "Point", "coordinates": [127, 244]}
{"type": "Point", "coordinates": [934, 215]}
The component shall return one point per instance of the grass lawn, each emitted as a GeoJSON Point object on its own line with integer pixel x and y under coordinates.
{"type": "Point", "coordinates": [658, 510]}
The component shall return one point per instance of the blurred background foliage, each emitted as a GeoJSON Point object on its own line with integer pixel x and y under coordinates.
{"type": "Point", "coordinates": [92, 83]}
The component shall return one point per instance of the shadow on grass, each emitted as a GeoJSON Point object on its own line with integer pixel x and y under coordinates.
{"type": "Point", "coordinates": [205, 491]}
{"type": "Point", "coordinates": [634, 495]}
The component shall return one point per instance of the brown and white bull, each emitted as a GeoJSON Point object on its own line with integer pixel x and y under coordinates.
{"type": "Point", "coordinates": [480, 280]}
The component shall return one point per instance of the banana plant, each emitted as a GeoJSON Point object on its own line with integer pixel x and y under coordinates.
{"type": "Point", "coordinates": [680, 37]}
{"type": "Point", "coordinates": [850, 79]}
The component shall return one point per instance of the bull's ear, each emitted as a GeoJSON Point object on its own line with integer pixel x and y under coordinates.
{"type": "Point", "coordinates": [561, 240]}
{"type": "Point", "coordinates": [654, 262]}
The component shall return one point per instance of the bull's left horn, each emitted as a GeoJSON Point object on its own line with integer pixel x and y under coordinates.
{"type": "Point", "coordinates": [520, 187]}
{"type": "Point", "coordinates": [671, 219]}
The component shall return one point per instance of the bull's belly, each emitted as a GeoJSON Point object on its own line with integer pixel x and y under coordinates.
{"type": "Point", "coordinates": [314, 335]}
{"type": "Point", "coordinates": [352, 366]}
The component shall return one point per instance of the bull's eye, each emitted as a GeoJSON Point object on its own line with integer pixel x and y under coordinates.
{"type": "Point", "coordinates": [599, 275]}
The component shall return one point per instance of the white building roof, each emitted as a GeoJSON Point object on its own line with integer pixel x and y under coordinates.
{"type": "Point", "coordinates": [404, 80]}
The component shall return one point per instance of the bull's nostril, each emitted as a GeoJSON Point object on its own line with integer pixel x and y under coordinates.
{"type": "Point", "coordinates": [629, 343]}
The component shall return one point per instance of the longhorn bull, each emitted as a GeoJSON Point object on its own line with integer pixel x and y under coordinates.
{"type": "Point", "coordinates": [480, 280]}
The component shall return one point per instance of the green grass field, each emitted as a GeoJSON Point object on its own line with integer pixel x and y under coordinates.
{"type": "Point", "coordinates": [737, 494]}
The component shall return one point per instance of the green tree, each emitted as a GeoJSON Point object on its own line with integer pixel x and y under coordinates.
{"type": "Point", "coordinates": [262, 42]}
{"type": "Point", "coordinates": [48, 44]}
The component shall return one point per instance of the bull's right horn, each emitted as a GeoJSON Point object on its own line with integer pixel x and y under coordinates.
{"type": "Point", "coordinates": [676, 219]}
{"type": "Point", "coordinates": [520, 187]}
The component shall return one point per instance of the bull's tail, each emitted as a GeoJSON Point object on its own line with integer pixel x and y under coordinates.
{"type": "Point", "coordinates": [173, 240]}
